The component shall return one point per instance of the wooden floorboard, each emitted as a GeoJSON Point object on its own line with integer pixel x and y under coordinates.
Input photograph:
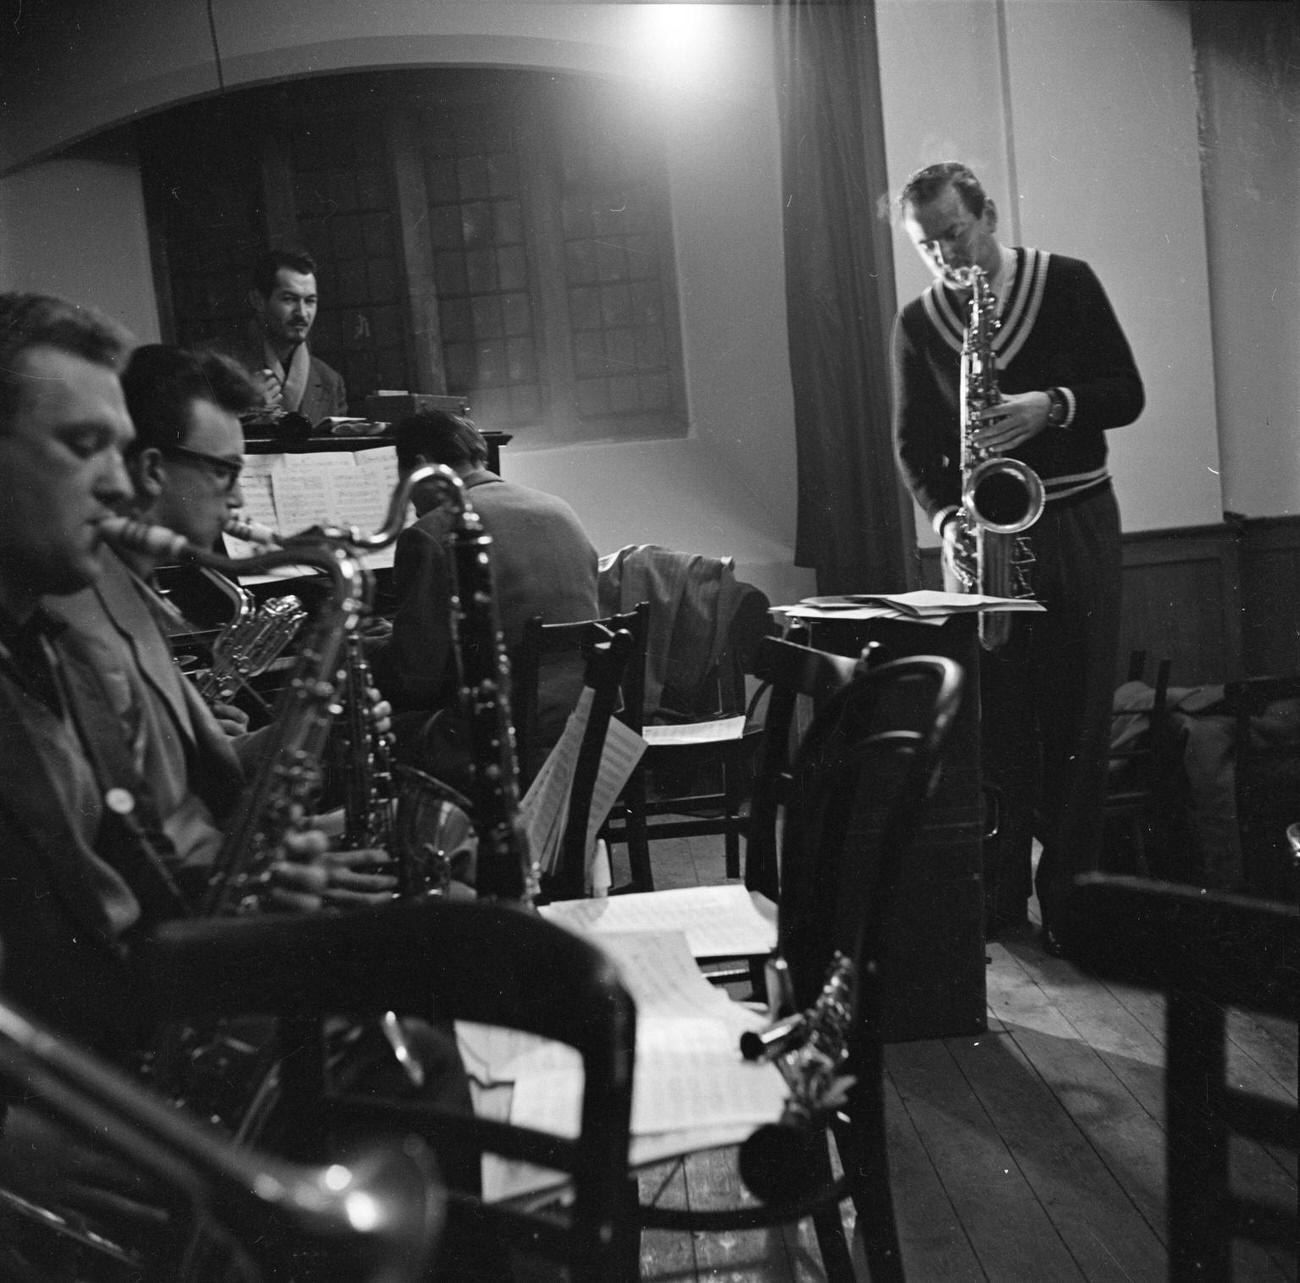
{"type": "Point", "coordinates": [1034, 1151]}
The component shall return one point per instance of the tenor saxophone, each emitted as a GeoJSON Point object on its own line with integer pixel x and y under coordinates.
{"type": "Point", "coordinates": [1001, 497]}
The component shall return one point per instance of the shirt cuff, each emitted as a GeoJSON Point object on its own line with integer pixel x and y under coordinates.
{"type": "Point", "coordinates": [1071, 406]}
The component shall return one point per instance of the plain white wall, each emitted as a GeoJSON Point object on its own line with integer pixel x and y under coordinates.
{"type": "Point", "coordinates": [74, 227]}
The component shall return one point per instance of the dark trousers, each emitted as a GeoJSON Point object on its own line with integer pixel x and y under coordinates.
{"type": "Point", "coordinates": [1046, 709]}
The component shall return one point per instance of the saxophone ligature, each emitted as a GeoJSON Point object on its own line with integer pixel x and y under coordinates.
{"type": "Point", "coordinates": [1001, 497]}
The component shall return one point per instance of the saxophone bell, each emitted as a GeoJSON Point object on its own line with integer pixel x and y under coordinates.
{"type": "Point", "coordinates": [1003, 495]}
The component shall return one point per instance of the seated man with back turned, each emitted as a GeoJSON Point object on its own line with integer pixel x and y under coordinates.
{"type": "Point", "coordinates": [273, 348]}
{"type": "Point", "coordinates": [542, 564]}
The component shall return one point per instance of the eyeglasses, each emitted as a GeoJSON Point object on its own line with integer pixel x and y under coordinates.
{"type": "Point", "coordinates": [224, 471]}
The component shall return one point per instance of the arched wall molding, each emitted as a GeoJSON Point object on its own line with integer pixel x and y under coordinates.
{"type": "Point", "coordinates": [65, 96]}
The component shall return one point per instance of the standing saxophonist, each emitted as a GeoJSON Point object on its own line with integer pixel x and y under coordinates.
{"type": "Point", "coordinates": [1065, 375]}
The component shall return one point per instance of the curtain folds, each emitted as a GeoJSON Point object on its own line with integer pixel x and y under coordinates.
{"type": "Point", "coordinates": [854, 527]}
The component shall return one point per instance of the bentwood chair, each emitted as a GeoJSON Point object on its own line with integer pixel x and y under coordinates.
{"type": "Point", "coordinates": [609, 654]}
{"type": "Point", "coordinates": [1206, 952]}
{"type": "Point", "coordinates": [443, 961]}
{"type": "Point", "coordinates": [1267, 779]}
{"type": "Point", "coordinates": [265, 1211]}
{"type": "Point", "coordinates": [853, 796]}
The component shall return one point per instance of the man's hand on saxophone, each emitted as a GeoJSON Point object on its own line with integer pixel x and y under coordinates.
{"type": "Point", "coordinates": [1016, 418]}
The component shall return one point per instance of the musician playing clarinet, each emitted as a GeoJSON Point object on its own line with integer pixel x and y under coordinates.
{"type": "Point", "coordinates": [1066, 376]}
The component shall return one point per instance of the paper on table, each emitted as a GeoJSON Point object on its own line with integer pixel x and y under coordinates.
{"type": "Point", "coordinates": [718, 921]}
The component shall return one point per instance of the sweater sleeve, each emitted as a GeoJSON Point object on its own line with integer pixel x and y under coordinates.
{"type": "Point", "coordinates": [1099, 369]}
{"type": "Point", "coordinates": [925, 428]}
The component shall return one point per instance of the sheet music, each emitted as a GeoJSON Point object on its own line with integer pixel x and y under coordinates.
{"type": "Point", "coordinates": [622, 751]}
{"type": "Point", "coordinates": [544, 809]}
{"type": "Point", "coordinates": [717, 921]}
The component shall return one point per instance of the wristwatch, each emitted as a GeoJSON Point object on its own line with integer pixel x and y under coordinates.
{"type": "Point", "coordinates": [1057, 408]}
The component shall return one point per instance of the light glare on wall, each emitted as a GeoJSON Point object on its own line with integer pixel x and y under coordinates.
{"type": "Point", "coordinates": [679, 44]}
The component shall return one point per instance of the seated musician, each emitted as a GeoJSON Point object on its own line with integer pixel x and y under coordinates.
{"type": "Point", "coordinates": [542, 564]}
{"type": "Point", "coordinates": [85, 857]}
{"type": "Point", "coordinates": [184, 465]}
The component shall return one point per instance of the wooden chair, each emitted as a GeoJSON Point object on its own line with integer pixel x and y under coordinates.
{"type": "Point", "coordinates": [1141, 770]}
{"type": "Point", "coordinates": [267, 1211]}
{"type": "Point", "coordinates": [786, 671]}
{"type": "Point", "coordinates": [702, 627]}
{"type": "Point", "coordinates": [1205, 951]}
{"type": "Point", "coordinates": [444, 960]}
{"type": "Point", "coordinates": [855, 794]}
{"type": "Point", "coordinates": [613, 674]}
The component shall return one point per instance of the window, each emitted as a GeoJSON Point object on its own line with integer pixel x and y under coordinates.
{"type": "Point", "coordinates": [501, 235]}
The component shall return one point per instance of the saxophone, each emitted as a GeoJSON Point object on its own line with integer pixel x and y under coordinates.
{"type": "Point", "coordinates": [288, 781]}
{"type": "Point", "coordinates": [1001, 497]}
{"type": "Point", "coordinates": [250, 642]}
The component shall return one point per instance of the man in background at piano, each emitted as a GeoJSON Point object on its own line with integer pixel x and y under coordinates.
{"type": "Point", "coordinates": [1065, 376]}
{"type": "Point", "coordinates": [542, 564]}
{"type": "Point", "coordinates": [273, 348]}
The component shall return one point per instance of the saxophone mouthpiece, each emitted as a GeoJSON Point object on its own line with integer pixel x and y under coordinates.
{"type": "Point", "coordinates": [252, 532]}
{"type": "Point", "coordinates": [140, 536]}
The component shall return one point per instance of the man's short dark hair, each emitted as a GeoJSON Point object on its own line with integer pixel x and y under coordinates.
{"type": "Point", "coordinates": [440, 437]}
{"type": "Point", "coordinates": [927, 183]}
{"type": "Point", "coordinates": [39, 320]}
{"type": "Point", "coordinates": [267, 267]}
{"type": "Point", "coordinates": [162, 382]}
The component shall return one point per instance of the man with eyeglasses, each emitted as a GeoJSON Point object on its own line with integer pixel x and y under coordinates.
{"type": "Point", "coordinates": [184, 464]}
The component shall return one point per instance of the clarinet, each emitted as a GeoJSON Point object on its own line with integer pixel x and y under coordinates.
{"type": "Point", "coordinates": [809, 1049]}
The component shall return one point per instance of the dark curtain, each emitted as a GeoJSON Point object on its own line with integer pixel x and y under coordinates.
{"type": "Point", "coordinates": [854, 527]}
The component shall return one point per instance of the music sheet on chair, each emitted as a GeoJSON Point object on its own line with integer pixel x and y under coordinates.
{"type": "Point", "coordinates": [691, 1088]}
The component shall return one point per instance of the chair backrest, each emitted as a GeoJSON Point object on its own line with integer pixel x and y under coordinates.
{"type": "Point", "coordinates": [489, 963]}
{"type": "Point", "coordinates": [542, 642]}
{"type": "Point", "coordinates": [269, 1210]}
{"type": "Point", "coordinates": [1206, 951]}
{"type": "Point", "coordinates": [703, 622]}
{"type": "Point", "coordinates": [1267, 778]}
{"type": "Point", "coordinates": [855, 800]}
{"type": "Point", "coordinates": [607, 658]}
{"type": "Point", "coordinates": [787, 671]}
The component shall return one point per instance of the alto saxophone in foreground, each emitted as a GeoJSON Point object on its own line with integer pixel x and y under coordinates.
{"type": "Point", "coordinates": [1001, 497]}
